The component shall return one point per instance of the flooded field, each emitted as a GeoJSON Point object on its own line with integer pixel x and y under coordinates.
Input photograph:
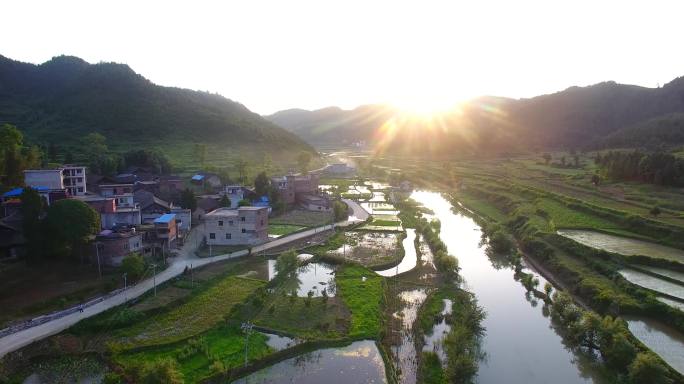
{"type": "Point", "coordinates": [315, 277]}
{"type": "Point", "coordinates": [653, 283]}
{"type": "Point", "coordinates": [623, 245]}
{"type": "Point", "coordinates": [664, 272]}
{"type": "Point", "coordinates": [661, 339]}
{"type": "Point", "coordinates": [360, 362]}
{"type": "Point", "coordinates": [520, 344]}
{"type": "Point", "coordinates": [410, 258]}
{"type": "Point", "coordinates": [672, 303]}
{"type": "Point", "coordinates": [368, 248]}
{"type": "Point", "coordinates": [403, 348]}
{"type": "Point", "coordinates": [380, 208]}
{"type": "Point", "coordinates": [433, 341]}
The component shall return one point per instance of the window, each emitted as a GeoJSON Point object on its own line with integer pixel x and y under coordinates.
{"type": "Point", "coordinates": [244, 230]}
{"type": "Point", "coordinates": [220, 223]}
{"type": "Point", "coordinates": [228, 236]}
{"type": "Point", "coordinates": [212, 235]}
{"type": "Point", "coordinates": [80, 189]}
{"type": "Point", "coordinates": [242, 218]}
{"type": "Point", "coordinates": [230, 222]}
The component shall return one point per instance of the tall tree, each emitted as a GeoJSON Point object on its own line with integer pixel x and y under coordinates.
{"type": "Point", "coordinates": [32, 210]}
{"type": "Point", "coordinates": [188, 200]}
{"type": "Point", "coordinates": [262, 184]}
{"type": "Point", "coordinates": [14, 175]}
{"type": "Point", "coordinates": [303, 161]}
{"type": "Point", "coordinates": [225, 201]}
{"type": "Point", "coordinates": [71, 223]}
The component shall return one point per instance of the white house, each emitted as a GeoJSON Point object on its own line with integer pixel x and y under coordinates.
{"type": "Point", "coordinates": [69, 177]}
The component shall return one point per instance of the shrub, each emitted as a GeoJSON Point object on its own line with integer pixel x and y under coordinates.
{"type": "Point", "coordinates": [134, 266]}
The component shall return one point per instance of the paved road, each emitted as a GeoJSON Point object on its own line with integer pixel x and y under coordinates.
{"type": "Point", "coordinates": [186, 257]}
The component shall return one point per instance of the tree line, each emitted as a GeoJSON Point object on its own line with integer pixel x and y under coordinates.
{"type": "Point", "coordinates": [655, 168]}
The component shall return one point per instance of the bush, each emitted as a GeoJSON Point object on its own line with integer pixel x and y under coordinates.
{"type": "Point", "coordinates": [134, 266]}
{"type": "Point", "coordinates": [646, 368]}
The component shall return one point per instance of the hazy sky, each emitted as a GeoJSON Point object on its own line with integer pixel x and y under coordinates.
{"type": "Point", "coordinates": [273, 55]}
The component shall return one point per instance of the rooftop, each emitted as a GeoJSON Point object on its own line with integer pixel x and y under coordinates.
{"type": "Point", "coordinates": [16, 192]}
{"type": "Point", "coordinates": [165, 219]}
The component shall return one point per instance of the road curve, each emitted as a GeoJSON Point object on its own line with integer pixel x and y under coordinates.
{"type": "Point", "coordinates": [186, 257]}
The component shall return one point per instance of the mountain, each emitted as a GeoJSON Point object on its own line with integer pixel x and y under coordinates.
{"type": "Point", "coordinates": [66, 98]}
{"type": "Point", "coordinates": [661, 131]}
{"type": "Point", "coordinates": [575, 117]}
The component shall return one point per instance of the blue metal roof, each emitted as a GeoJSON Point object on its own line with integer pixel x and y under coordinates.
{"type": "Point", "coordinates": [16, 192]}
{"type": "Point", "coordinates": [198, 177]}
{"type": "Point", "coordinates": [165, 218]}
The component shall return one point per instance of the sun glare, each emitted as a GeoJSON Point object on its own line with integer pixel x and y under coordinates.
{"type": "Point", "coordinates": [425, 107]}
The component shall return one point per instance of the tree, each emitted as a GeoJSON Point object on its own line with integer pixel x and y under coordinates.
{"type": "Point", "coordinates": [134, 266]}
{"type": "Point", "coordinates": [340, 211]}
{"type": "Point", "coordinates": [241, 166]}
{"type": "Point", "coordinates": [187, 199]}
{"type": "Point", "coordinates": [547, 158]}
{"type": "Point", "coordinates": [286, 263]}
{"type": "Point", "coordinates": [646, 368]}
{"type": "Point", "coordinates": [164, 371]}
{"type": "Point", "coordinates": [262, 184]}
{"type": "Point", "coordinates": [14, 175]}
{"type": "Point", "coordinates": [655, 211]}
{"type": "Point", "coordinates": [244, 203]}
{"type": "Point", "coordinates": [303, 161]}
{"type": "Point", "coordinates": [225, 201]}
{"type": "Point", "coordinates": [32, 210]}
{"type": "Point", "coordinates": [71, 223]}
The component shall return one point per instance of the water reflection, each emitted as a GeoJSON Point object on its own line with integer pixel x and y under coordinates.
{"type": "Point", "coordinates": [661, 339]}
{"type": "Point", "coordinates": [520, 345]}
{"type": "Point", "coordinates": [410, 258]}
{"type": "Point", "coordinates": [359, 362]}
{"type": "Point", "coordinates": [314, 277]}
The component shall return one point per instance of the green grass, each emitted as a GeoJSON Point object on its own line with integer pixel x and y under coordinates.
{"type": "Point", "coordinates": [224, 344]}
{"type": "Point", "coordinates": [563, 217]}
{"type": "Point", "coordinates": [363, 298]}
{"type": "Point", "coordinates": [199, 314]}
{"type": "Point", "coordinates": [302, 218]}
{"type": "Point", "coordinates": [320, 319]}
{"type": "Point", "coordinates": [283, 229]}
{"type": "Point", "coordinates": [431, 371]}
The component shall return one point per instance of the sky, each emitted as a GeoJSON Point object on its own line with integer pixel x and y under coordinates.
{"type": "Point", "coordinates": [423, 55]}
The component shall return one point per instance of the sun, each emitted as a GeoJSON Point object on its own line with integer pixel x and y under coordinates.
{"type": "Point", "coordinates": [425, 107]}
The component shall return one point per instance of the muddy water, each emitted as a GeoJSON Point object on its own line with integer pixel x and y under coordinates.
{"type": "Point", "coordinates": [359, 362]}
{"type": "Point", "coordinates": [622, 245]}
{"type": "Point", "coordinates": [410, 258]}
{"type": "Point", "coordinates": [661, 339]}
{"type": "Point", "coordinates": [403, 347]}
{"type": "Point", "coordinates": [520, 344]}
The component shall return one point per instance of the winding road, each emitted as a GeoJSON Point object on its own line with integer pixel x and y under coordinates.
{"type": "Point", "coordinates": [186, 257]}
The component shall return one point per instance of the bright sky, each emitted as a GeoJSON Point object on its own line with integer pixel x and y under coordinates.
{"type": "Point", "coordinates": [273, 55]}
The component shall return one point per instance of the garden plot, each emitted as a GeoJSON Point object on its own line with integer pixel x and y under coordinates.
{"type": "Point", "coordinates": [369, 248]}
{"type": "Point", "coordinates": [653, 283]}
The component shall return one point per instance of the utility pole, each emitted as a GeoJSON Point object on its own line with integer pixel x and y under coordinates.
{"type": "Point", "coordinates": [247, 328]}
{"type": "Point", "coordinates": [154, 278]}
{"type": "Point", "coordinates": [192, 277]}
{"type": "Point", "coordinates": [125, 287]}
{"type": "Point", "coordinates": [97, 252]}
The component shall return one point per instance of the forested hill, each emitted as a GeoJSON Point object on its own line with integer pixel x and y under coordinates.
{"type": "Point", "coordinates": [66, 98]}
{"type": "Point", "coordinates": [574, 118]}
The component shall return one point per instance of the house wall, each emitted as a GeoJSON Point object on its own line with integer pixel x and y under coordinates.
{"type": "Point", "coordinates": [234, 230]}
{"type": "Point", "coordinates": [50, 178]}
{"type": "Point", "coordinates": [74, 180]}
{"type": "Point", "coordinates": [113, 250]}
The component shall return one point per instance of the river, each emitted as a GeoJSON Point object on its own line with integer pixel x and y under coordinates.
{"type": "Point", "coordinates": [520, 344]}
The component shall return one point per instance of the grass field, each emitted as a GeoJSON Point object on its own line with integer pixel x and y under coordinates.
{"type": "Point", "coordinates": [212, 352]}
{"type": "Point", "coordinates": [201, 313]}
{"type": "Point", "coordinates": [302, 218]}
{"type": "Point", "coordinates": [283, 229]}
{"type": "Point", "coordinates": [362, 291]}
